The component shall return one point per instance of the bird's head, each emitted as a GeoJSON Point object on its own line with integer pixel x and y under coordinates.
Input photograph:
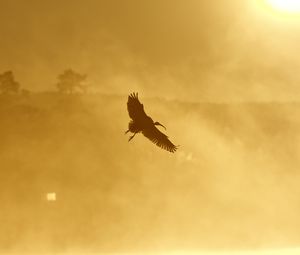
{"type": "Point", "coordinates": [158, 124]}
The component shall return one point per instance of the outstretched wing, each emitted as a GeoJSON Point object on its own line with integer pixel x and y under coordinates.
{"type": "Point", "coordinates": [160, 139]}
{"type": "Point", "coordinates": [134, 107]}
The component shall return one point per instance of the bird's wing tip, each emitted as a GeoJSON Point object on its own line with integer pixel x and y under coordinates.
{"type": "Point", "coordinates": [134, 94]}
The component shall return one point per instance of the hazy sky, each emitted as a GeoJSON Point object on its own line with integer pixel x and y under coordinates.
{"type": "Point", "coordinates": [189, 50]}
{"type": "Point", "coordinates": [234, 181]}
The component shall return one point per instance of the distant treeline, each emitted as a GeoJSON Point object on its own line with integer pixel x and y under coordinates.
{"type": "Point", "coordinates": [69, 81]}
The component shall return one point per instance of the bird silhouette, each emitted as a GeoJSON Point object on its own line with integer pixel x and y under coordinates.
{"type": "Point", "coordinates": [140, 122]}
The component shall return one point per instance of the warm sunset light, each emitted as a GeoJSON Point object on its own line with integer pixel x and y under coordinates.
{"type": "Point", "coordinates": [165, 127]}
{"type": "Point", "coordinates": [291, 6]}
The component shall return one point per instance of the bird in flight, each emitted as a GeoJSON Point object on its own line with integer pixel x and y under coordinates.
{"type": "Point", "coordinates": [140, 122]}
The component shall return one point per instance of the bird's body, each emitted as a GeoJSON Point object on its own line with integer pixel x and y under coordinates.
{"type": "Point", "coordinates": [141, 123]}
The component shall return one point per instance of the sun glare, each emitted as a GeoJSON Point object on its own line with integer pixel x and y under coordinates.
{"type": "Point", "coordinates": [290, 6]}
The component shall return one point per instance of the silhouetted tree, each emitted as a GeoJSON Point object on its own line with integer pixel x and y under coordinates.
{"type": "Point", "coordinates": [70, 81]}
{"type": "Point", "coordinates": [8, 83]}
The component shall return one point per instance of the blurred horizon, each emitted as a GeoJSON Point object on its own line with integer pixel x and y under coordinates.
{"type": "Point", "coordinates": [195, 50]}
{"type": "Point", "coordinates": [222, 76]}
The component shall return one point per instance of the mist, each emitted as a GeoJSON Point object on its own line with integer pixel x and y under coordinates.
{"type": "Point", "coordinates": [221, 76]}
{"type": "Point", "coordinates": [233, 183]}
{"type": "Point", "coordinates": [220, 51]}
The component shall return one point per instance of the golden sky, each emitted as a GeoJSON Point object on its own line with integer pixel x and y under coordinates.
{"type": "Point", "coordinates": [192, 50]}
{"type": "Point", "coordinates": [69, 179]}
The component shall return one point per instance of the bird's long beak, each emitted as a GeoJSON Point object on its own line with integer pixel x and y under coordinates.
{"type": "Point", "coordinates": [158, 124]}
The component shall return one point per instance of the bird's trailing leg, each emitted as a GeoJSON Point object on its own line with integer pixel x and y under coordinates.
{"type": "Point", "coordinates": [126, 131]}
{"type": "Point", "coordinates": [131, 137]}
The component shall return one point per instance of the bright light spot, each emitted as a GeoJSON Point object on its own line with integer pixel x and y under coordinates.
{"type": "Point", "coordinates": [292, 6]}
{"type": "Point", "coordinates": [184, 156]}
{"type": "Point", "coordinates": [189, 157]}
{"type": "Point", "coordinates": [51, 197]}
